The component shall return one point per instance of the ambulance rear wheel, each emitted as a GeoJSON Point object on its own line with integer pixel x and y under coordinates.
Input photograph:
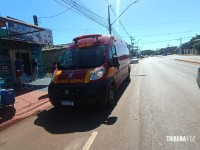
{"type": "Point", "coordinates": [111, 95]}
{"type": "Point", "coordinates": [128, 78]}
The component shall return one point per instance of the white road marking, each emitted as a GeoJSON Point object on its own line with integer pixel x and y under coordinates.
{"type": "Point", "coordinates": [138, 83]}
{"type": "Point", "coordinates": [134, 68]}
{"type": "Point", "coordinates": [90, 141]}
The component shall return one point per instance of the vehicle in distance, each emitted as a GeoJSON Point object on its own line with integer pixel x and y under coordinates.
{"type": "Point", "coordinates": [90, 71]}
{"type": "Point", "coordinates": [198, 77]}
{"type": "Point", "coordinates": [134, 60]}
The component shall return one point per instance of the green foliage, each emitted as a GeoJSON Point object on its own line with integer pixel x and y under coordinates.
{"type": "Point", "coordinates": [196, 46]}
{"type": "Point", "coordinates": [187, 45]}
{"type": "Point", "coordinates": [193, 43]}
{"type": "Point", "coordinates": [147, 52]}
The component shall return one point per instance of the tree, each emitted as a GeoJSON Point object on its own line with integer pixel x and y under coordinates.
{"type": "Point", "coordinates": [197, 47]}
{"type": "Point", "coordinates": [187, 45]}
{"type": "Point", "coordinates": [196, 43]}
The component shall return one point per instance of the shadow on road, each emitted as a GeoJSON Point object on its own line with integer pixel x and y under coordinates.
{"type": "Point", "coordinates": [61, 120]}
{"type": "Point", "coordinates": [43, 97]}
{"type": "Point", "coordinates": [140, 75]}
{"type": "Point", "coordinates": [19, 91]}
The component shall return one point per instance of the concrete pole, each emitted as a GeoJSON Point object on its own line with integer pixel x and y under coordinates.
{"type": "Point", "coordinates": [110, 28]}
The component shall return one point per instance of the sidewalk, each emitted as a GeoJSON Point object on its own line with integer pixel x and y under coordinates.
{"type": "Point", "coordinates": [27, 102]}
{"type": "Point", "coordinates": [190, 59]}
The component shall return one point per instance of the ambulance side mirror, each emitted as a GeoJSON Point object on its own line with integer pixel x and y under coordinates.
{"type": "Point", "coordinates": [115, 61]}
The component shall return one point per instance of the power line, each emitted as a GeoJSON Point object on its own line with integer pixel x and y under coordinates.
{"type": "Point", "coordinates": [55, 14]}
{"type": "Point", "coordinates": [178, 39]}
{"type": "Point", "coordinates": [86, 8]}
{"type": "Point", "coordinates": [165, 34]}
{"type": "Point", "coordinates": [82, 8]}
{"type": "Point", "coordinates": [168, 33]}
{"type": "Point", "coordinates": [114, 12]}
{"type": "Point", "coordinates": [73, 9]}
{"type": "Point", "coordinates": [115, 33]}
{"type": "Point", "coordinates": [167, 22]}
{"type": "Point", "coordinates": [78, 7]}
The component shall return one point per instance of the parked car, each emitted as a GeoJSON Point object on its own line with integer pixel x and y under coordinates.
{"type": "Point", "coordinates": [198, 77]}
{"type": "Point", "coordinates": [134, 60]}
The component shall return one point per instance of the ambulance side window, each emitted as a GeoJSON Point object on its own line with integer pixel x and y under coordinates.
{"type": "Point", "coordinates": [112, 52]}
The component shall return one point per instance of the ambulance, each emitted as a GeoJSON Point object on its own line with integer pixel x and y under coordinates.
{"type": "Point", "coordinates": [90, 71]}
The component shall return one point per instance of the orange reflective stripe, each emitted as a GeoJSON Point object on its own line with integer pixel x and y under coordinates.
{"type": "Point", "coordinates": [57, 74]}
{"type": "Point", "coordinates": [87, 76]}
{"type": "Point", "coordinates": [111, 71]}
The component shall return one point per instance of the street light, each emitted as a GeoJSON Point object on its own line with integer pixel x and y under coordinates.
{"type": "Point", "coordinates": [124, 11]}
{"type": "Point", "coordinates": [110, 24]}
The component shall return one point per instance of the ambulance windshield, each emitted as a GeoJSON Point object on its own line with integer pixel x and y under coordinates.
{"type": "Point", "coordinates": [86, 57]}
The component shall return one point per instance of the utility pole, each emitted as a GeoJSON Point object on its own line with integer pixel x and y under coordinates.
{"type": "Point", "coordinates": [180, 46]}
{"type": "Point", "coordinates": [110, 29]}
{"type": "Point", "coordinates": [132, 40]}
{"type": "Point", "coordinates": [180, 41]}
{"type": "Point", "coordinates": [132, 45]}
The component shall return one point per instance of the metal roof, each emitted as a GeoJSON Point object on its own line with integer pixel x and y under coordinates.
{"type": "Point", "coordinates": [20, 22]}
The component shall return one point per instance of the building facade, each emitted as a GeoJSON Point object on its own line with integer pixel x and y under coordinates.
{"type": "Point", "coordinates": [20, 42]}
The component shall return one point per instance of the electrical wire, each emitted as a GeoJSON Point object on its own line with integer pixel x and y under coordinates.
{"type": "Point", "coordinates": [71, 3]}
{"type": "Point", "coordinates": [81, 9]}
{"type": "Point", "coordinates": [114, 12]}
{"type": "Point", "coordinates": [164, 34]}
{"type": "Point", "coordinates": [165, 40]}
{"type": "Point", "coordinates": [115, 33]}
{"type": "Point", "coordinates": [55, 14]}
{"type": "Point", "coordinates": [86, 12]}
{"type": "Point", "coordinates": [159, 23]}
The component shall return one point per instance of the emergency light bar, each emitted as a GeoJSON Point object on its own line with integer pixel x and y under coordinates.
{"type": "Point", "coordinates": [86, 36]}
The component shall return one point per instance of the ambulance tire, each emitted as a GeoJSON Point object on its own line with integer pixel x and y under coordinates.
{"type": "Point", "coordinates": [128, 78]}
{"type": "Point", "coordinates": [111, 95]}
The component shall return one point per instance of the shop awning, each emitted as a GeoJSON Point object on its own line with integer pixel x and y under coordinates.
{"type": "Point", "coordinates": [17, 29]}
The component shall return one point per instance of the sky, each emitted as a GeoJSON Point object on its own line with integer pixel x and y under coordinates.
{"type": "Point", "coordinates": [153, 24]}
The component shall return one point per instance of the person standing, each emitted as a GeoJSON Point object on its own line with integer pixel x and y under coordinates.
{"type": "Point", "coordinates": [35, 68]}
{"type": "Point", "coordinates": [54, 66]}
{"type": "Point", "coordinates": [19, 65]}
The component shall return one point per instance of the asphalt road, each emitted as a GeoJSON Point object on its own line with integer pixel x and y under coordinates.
{"type": "Point", "coordinates": [160, 104]}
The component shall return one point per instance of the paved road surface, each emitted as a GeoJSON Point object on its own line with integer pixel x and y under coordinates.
{"type": "Point", "coordinates": [169, 103]}
{"type": "Point", "coordinates": [161, 100]}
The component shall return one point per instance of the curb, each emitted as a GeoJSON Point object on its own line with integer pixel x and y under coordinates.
{"type": "Point", "coordinates": [194, 62]}
{"type": "Point", "coordinates": [29, 111]}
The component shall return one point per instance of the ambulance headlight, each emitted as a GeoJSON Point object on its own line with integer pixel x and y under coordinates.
{"type": "Point", "coordinates": [55, 76]}
{"type": "Point", "coordinates": [97, 73]}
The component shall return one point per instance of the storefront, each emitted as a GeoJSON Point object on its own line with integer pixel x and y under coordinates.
{"type": "Point", "coordinates": [20, 42]}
